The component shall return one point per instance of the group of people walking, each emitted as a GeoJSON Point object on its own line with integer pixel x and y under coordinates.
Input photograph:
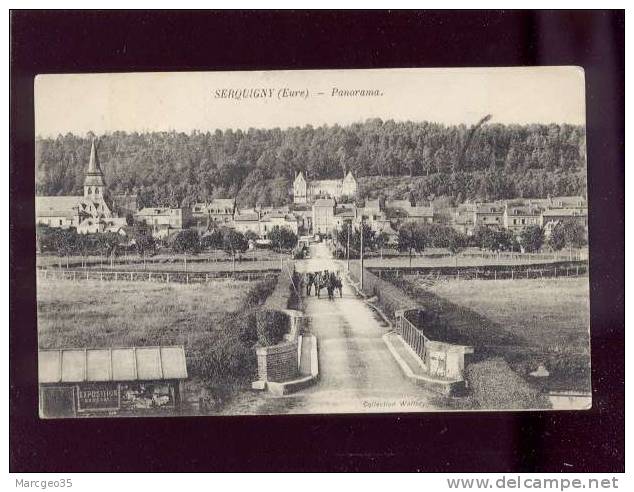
{"type": "Point", "coordinates": [320, 280]}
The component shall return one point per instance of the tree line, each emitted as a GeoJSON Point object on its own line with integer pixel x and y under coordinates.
{"type": "Point", "coordinates": [415, 237]}
{"type": "Point", "coordinates": [258, 166]}
{"type": "Point", "coordinates": [67, 243]}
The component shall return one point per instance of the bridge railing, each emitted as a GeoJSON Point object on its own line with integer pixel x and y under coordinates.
{"type": "Point", "coordinates": [412, 335]}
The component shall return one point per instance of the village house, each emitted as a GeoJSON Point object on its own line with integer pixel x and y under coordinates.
{"type": "Point", "coordinates": [517, 218]}
{"type": "Point", "coordinates": [345, 216]}
{"type": "Point", "coordinates": [304, 220]}
{"type": "Point", "coordinates": [163, 221]}
{"type": "Point", "coordinates": [218, 211]}
{"type": "Point", "coordinates": [568, 202]}
{"type": "Point", "coordinates": [247, 221]}
{"type": "Point", "coordinates": [488, 215]}
{"type": "Point", "coordinates": [550, 218]}
{"type": "Point", "coordinates": [305, 191]}
{"type": "Point", "coordinates": [421, 214]}
{"type": "Point", "coordinates": [91, 213]}
{"type": "Point", "coordinates": [463, 220]}
{"type": "Point", "coordinates": [269, 222]}
{"type": "Point", "coordinates": [404, 205]}
{"type": "Point", "coordinates": [324, 216]}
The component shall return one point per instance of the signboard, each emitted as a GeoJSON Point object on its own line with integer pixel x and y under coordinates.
{"type": "Point", "coordinates": [98, 397]}
{"type": "Point", "coordinates": [57, 402]}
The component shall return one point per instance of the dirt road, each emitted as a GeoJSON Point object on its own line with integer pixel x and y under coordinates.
{"type": "Point", "coordinates": [357, 372]}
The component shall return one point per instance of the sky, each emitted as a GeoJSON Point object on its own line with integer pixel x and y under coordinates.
{"type": "Point", "coordinates": [186, 101]}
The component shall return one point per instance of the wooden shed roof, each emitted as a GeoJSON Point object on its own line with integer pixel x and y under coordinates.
{"type": "Point", "coordinates": [111, 364]}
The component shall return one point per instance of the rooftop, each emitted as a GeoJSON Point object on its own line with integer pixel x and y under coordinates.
{"type": "Point", "coordinates": [325, 202]}
{"type": "Point", "coordinates": [489, 208]}
{"type": "Point", "coordinates": [246, 217]}
{"type": "Point", "coordinates": [564, 212]}
{"type": "Point", "coordinates": [420, 211]}
{"type": "Point", "coordinates": [111, 364]}
{"type": "Point", "coordinates": [524, 211]}
{"type": "Point", "coordinates": [56, 206]}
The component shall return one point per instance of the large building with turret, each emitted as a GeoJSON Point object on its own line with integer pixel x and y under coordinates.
{"type": "Point", "coordinates": [305, 191]}
{"type": "Point", "coordinates": [90, 213]}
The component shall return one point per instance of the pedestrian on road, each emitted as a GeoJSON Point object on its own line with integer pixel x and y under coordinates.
{"type": "Point", "coordinates": [309, 283]}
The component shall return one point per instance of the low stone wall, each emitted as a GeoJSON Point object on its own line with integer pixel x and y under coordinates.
{"type": "Point", "coordinates": [278, 363]}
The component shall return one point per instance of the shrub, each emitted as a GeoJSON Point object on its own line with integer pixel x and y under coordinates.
{"type": "Point", "coordinates": [494, 384]}
{"type": "Point", "coordinates": [271, 326]}
{"type": "Point", "coordinates": [283, 294]}
{"type": "Point", "coordinates": [260, 292]}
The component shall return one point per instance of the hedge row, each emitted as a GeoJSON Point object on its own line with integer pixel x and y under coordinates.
{"type": "Point", "coordinates": [283, 293]}
{"type": "Point", "coordinates": [390, 297]}
{"type": "Point", "coordinates": [271, 323]}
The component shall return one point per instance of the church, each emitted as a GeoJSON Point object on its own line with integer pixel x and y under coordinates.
{"type": "Point", "coordinates": [308, 191]}
{"type": "Point", "coordinates": [93, 212]}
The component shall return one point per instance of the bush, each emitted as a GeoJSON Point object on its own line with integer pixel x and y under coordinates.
{"type": "Point", "coordinates": [283, 295]}
{"type": "Point", "coordinates": [271, 326]}
{"type": "Point", "coordinates": [260, 292]}
{"type": "Point", "coordinates": [494, 385]}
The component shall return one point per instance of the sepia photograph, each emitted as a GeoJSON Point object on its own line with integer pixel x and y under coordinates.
{"type": "Point", "coordinates": [312, 242]}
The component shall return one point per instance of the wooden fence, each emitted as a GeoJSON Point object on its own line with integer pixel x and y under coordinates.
{"type": "Point", "coordinates": [484, 273]}
{"type": "Point", "coordinates": [145, 276]}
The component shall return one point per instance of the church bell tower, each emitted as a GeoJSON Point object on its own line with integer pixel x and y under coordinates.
{"type": "Point", "coordinates": [94, 184]}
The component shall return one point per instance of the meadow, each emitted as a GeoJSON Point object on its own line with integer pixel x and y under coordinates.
{"type": "Point", "coordinates": [526, 322]}
{"type": "Point", "coordinates": [212, 321]}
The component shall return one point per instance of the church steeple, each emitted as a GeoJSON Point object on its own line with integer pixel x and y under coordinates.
{"type": "Point", "coordinates": [94, 184]}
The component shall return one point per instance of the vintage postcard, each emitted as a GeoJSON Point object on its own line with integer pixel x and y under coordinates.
{"type": "Point", "coordinates": [327, 241]}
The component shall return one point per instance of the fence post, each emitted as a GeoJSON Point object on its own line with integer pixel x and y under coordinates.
{"type": "Point", "coordinates": [527, 273]}
{"type": "Point", "coordinates": [577, 270]}
{"type": "Point", "coordinates": [116, 276]}
{"type": "Point", "coordinates": [168, 278]}
{"type": "Point", "coordinates": [131, 273]}
{"type": "Point", "coordinates": [187, 278]}
{"type": "Point", "coordinates": [495, 274]}
{"type": "Point", "coordinates": [512, 273]}
{"type": "Point", "coordinates": [149, 276]}
{"type": "Point", "coordinates": [74, 276]}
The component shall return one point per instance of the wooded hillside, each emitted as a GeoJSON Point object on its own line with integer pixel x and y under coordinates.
{"type": "Point", "coordinates": [389, 158]}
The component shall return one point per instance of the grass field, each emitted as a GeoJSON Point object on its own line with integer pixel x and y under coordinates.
{"type": "Point", "coordinates": [549, 313]}
{"type": "Point", "coordinates": [527, 322]}
{"type": "Point", "coordinates": [209, 320]}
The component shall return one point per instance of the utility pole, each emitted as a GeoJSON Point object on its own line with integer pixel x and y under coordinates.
{"type": "Point", "coordinates": [361, 272]}
{"type": "Point", "coordinates": [348, 250]}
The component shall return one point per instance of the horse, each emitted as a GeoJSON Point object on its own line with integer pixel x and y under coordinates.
{"type": "Point", "coordinates": [336, 284]}
{"type": "Point", "coordinates": [310, 280]}
{"type": "Point", "coordinates": [321, 282]}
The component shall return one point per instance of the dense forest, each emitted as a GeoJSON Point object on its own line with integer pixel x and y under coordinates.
{"type": "Point", "coordinates": [394, 159]}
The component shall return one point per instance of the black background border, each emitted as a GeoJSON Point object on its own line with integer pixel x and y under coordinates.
{"type": "Point", "coordinates": [116, 41]}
